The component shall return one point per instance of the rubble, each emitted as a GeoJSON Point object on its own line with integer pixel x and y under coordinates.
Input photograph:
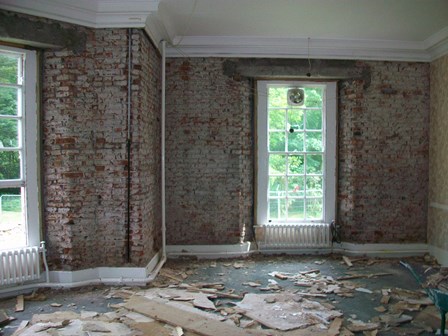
{"type": "Point", "coordinates": [288, 312]}
{"type": "Point", "coordinates": [357, 325]}
{"type": "Point", "coordinates": [20, 305]}
{"type": "Point", "coordinates": [257, 306]}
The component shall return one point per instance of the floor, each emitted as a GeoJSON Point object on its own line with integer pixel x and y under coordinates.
{"type": "Point", "coordinates": [377, 296]}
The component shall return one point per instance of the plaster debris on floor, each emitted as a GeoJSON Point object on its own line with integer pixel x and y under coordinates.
{"type": "Point", "coordinates": [297, 296]}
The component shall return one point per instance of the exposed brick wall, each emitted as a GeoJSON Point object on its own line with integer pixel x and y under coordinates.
{"type": "Point", "coordinates": [209, 154]}
{"type": "Point", "coordinates": [383, 153]}
{"type": "Point", "coordinates": [382, 156]}
{"type": "Point", "coordinates": [438, 156]}
{"type": "Point", "coordinates": [146, 164]}
{"type": "Point", "coordinates": [85, 162]}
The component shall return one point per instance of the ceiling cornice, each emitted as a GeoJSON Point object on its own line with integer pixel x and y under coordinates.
{"type": "Point", "coordinates": [437, 44]}
{"type": "Point", "coordinates": [90, 13]}
{"type": "Point", "coordinates": [230, 46]}
{"type": "Point", "coordinates": [155, 20]}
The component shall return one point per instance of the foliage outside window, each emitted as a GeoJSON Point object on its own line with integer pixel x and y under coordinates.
{"type": "Point", "coordinates": [295, 156]}
{"type": "Point", "coordinates": [15, 170]}
{"type": "Point", "coordinates": [296, 152]}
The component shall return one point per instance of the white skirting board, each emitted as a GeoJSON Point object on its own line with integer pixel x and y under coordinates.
{"type": "Point", "coordinates": [210, 251]}
{"type": "Point", "coordinates": [381, 250]}
{"type": "Point", "coordinates": [440, 254]}
{"type": "Point", "coordinates": [93, 276]}
{"type": "Point", "coordinates": [241, 250]}
{"type": "Point", "coordinates": [105, 275]}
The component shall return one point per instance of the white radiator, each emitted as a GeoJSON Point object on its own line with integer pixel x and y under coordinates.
{"type": "Point", "coordinates": [22, 265]}
{"type": "Point", "coordinates": [293, 236]}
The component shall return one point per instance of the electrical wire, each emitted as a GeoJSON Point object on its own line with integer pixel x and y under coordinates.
{"type": "Point", "coordinates": [309, 61]}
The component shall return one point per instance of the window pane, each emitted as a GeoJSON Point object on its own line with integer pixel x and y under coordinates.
{"type": "Point", "coordinates": [277, 97]}
{"type": "Point", "coordinates": [314, 164]}
{"type": "Point", "coordinates": [313, 97]}
{"type": "Point", "coordinates": [314, 119]}
{"type": "Point", "coordinates": [296, 165]}
{"type": "Point", "coordinates": [295, 142]}
{"type": "Point", "coordinates": [296, 186]}
{"type": "Point", "coordinates": [9, 165]}
{"type": "Point", "coordinates": [277, 209]}
{"type": "Point", "coordinates": [277, 186]}
{"type": "Point", "coordinates": [314, 208]}
{"type": "Point", "coordinates": [9, 69]}
{"type": "Point", "coordinates": [8, 100]}
{"type": "Point", "coordinates": [314, 142]}
{"type": "Point", "coordinates": [277, 141]}
{"type": "Point", "coordinates": [296, 209]}
{"type": "Point", "coordinates": [12, 219]}
{"type": "Point", "coordinates": [277, 119]}
{"type": "Point", "coordinates": [9, 135]}
{"type": "Point", "coordinates": [314, 186]}
{"type": "Point", "coordinates": [277, 164]}
{"type": "Point", "coordinates": [295, 119]}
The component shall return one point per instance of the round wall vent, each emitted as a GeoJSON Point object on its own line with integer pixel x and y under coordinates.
{"type": "Point", "coordinates": [296, 96]}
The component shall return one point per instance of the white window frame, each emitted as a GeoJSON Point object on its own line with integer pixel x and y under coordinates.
{"type": "Point", "coordinates": [329, 134]}
{"type": "Point", "coordinates": [29, 147]}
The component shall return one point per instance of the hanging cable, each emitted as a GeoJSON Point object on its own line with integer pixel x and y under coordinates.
{"type": "Point", "coordinates": [309, 61]}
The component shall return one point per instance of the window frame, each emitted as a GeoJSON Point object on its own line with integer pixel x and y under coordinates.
{"type": "Point", "coordinates": [29, 145]}
{"type": "Point", "coordinates": [329, 124]}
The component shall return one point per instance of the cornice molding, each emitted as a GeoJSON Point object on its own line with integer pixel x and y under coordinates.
{"type": "Point", "coordinates": [229, 46]}
{"type": "Point", "coordinates": [437, 44]}
{"type": "Point", "coordinates": [90, 13]}
{"type": "Point", "coordinates": [155, 20]}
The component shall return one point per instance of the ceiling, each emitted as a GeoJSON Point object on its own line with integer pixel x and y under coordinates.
{"type": "Point", "coordinates": [342, 29]}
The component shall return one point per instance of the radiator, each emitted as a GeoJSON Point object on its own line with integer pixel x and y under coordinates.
{"type": "Point", "coordinates": [293, 236]}
{"type": "Point", "coordinates": [22, 265]}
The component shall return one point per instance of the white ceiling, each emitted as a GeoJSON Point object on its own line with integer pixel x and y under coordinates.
{"type": "Point", "coordinates": [403, 20]}
{"type": "Point", "coordinates": [342, 29]}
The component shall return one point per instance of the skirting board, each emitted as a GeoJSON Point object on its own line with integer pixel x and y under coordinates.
{"type": "Point", "coordinates": [105, 275]}
{"type": "Point", "coordinates": [381, 250]}
{"type": "Point", "coordinates": [241, 250]}
{"type": "Point", "coordinates": [210, 251]}
{"type": "Point", "coordinates": [440, 254]}
{"type": "Point", "coordinates": [92, 276]}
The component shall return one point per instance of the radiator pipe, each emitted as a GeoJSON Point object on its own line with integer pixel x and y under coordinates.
{"type": "Point", "coordinates": [128, 151]}
{"type": "Point", "coordinates": [162, 146]}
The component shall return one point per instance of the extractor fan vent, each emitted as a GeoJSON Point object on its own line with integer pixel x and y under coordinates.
{"type": "Point", "coordinates": [296, 96]}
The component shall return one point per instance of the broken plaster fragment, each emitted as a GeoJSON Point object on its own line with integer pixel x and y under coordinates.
{"type": "Point", "coordinates": [385, 299]}
{"type": "Point", "coordinates": [179, 331]}
{"type": "Point", "coordinates": [380, 309]}
{"type": "Point", "coordinates": [270, 300]}
{"type": "Point", "coordinates": [238, 265]}
{"type": "Point", "coordinates": [286, 313]}
{"type": "Point", "coordinates": [252, 284]}
{"type": "Point", "coordinates": [358, 326]}
{"type": "Point", "coordinates": [94, 327]}
{"type": "Point", "coordinates": [347, 261]}
{"type": "Point", "coordinates": [279, 275]}
{"type": "Point", "coordinates": [394, 319]}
